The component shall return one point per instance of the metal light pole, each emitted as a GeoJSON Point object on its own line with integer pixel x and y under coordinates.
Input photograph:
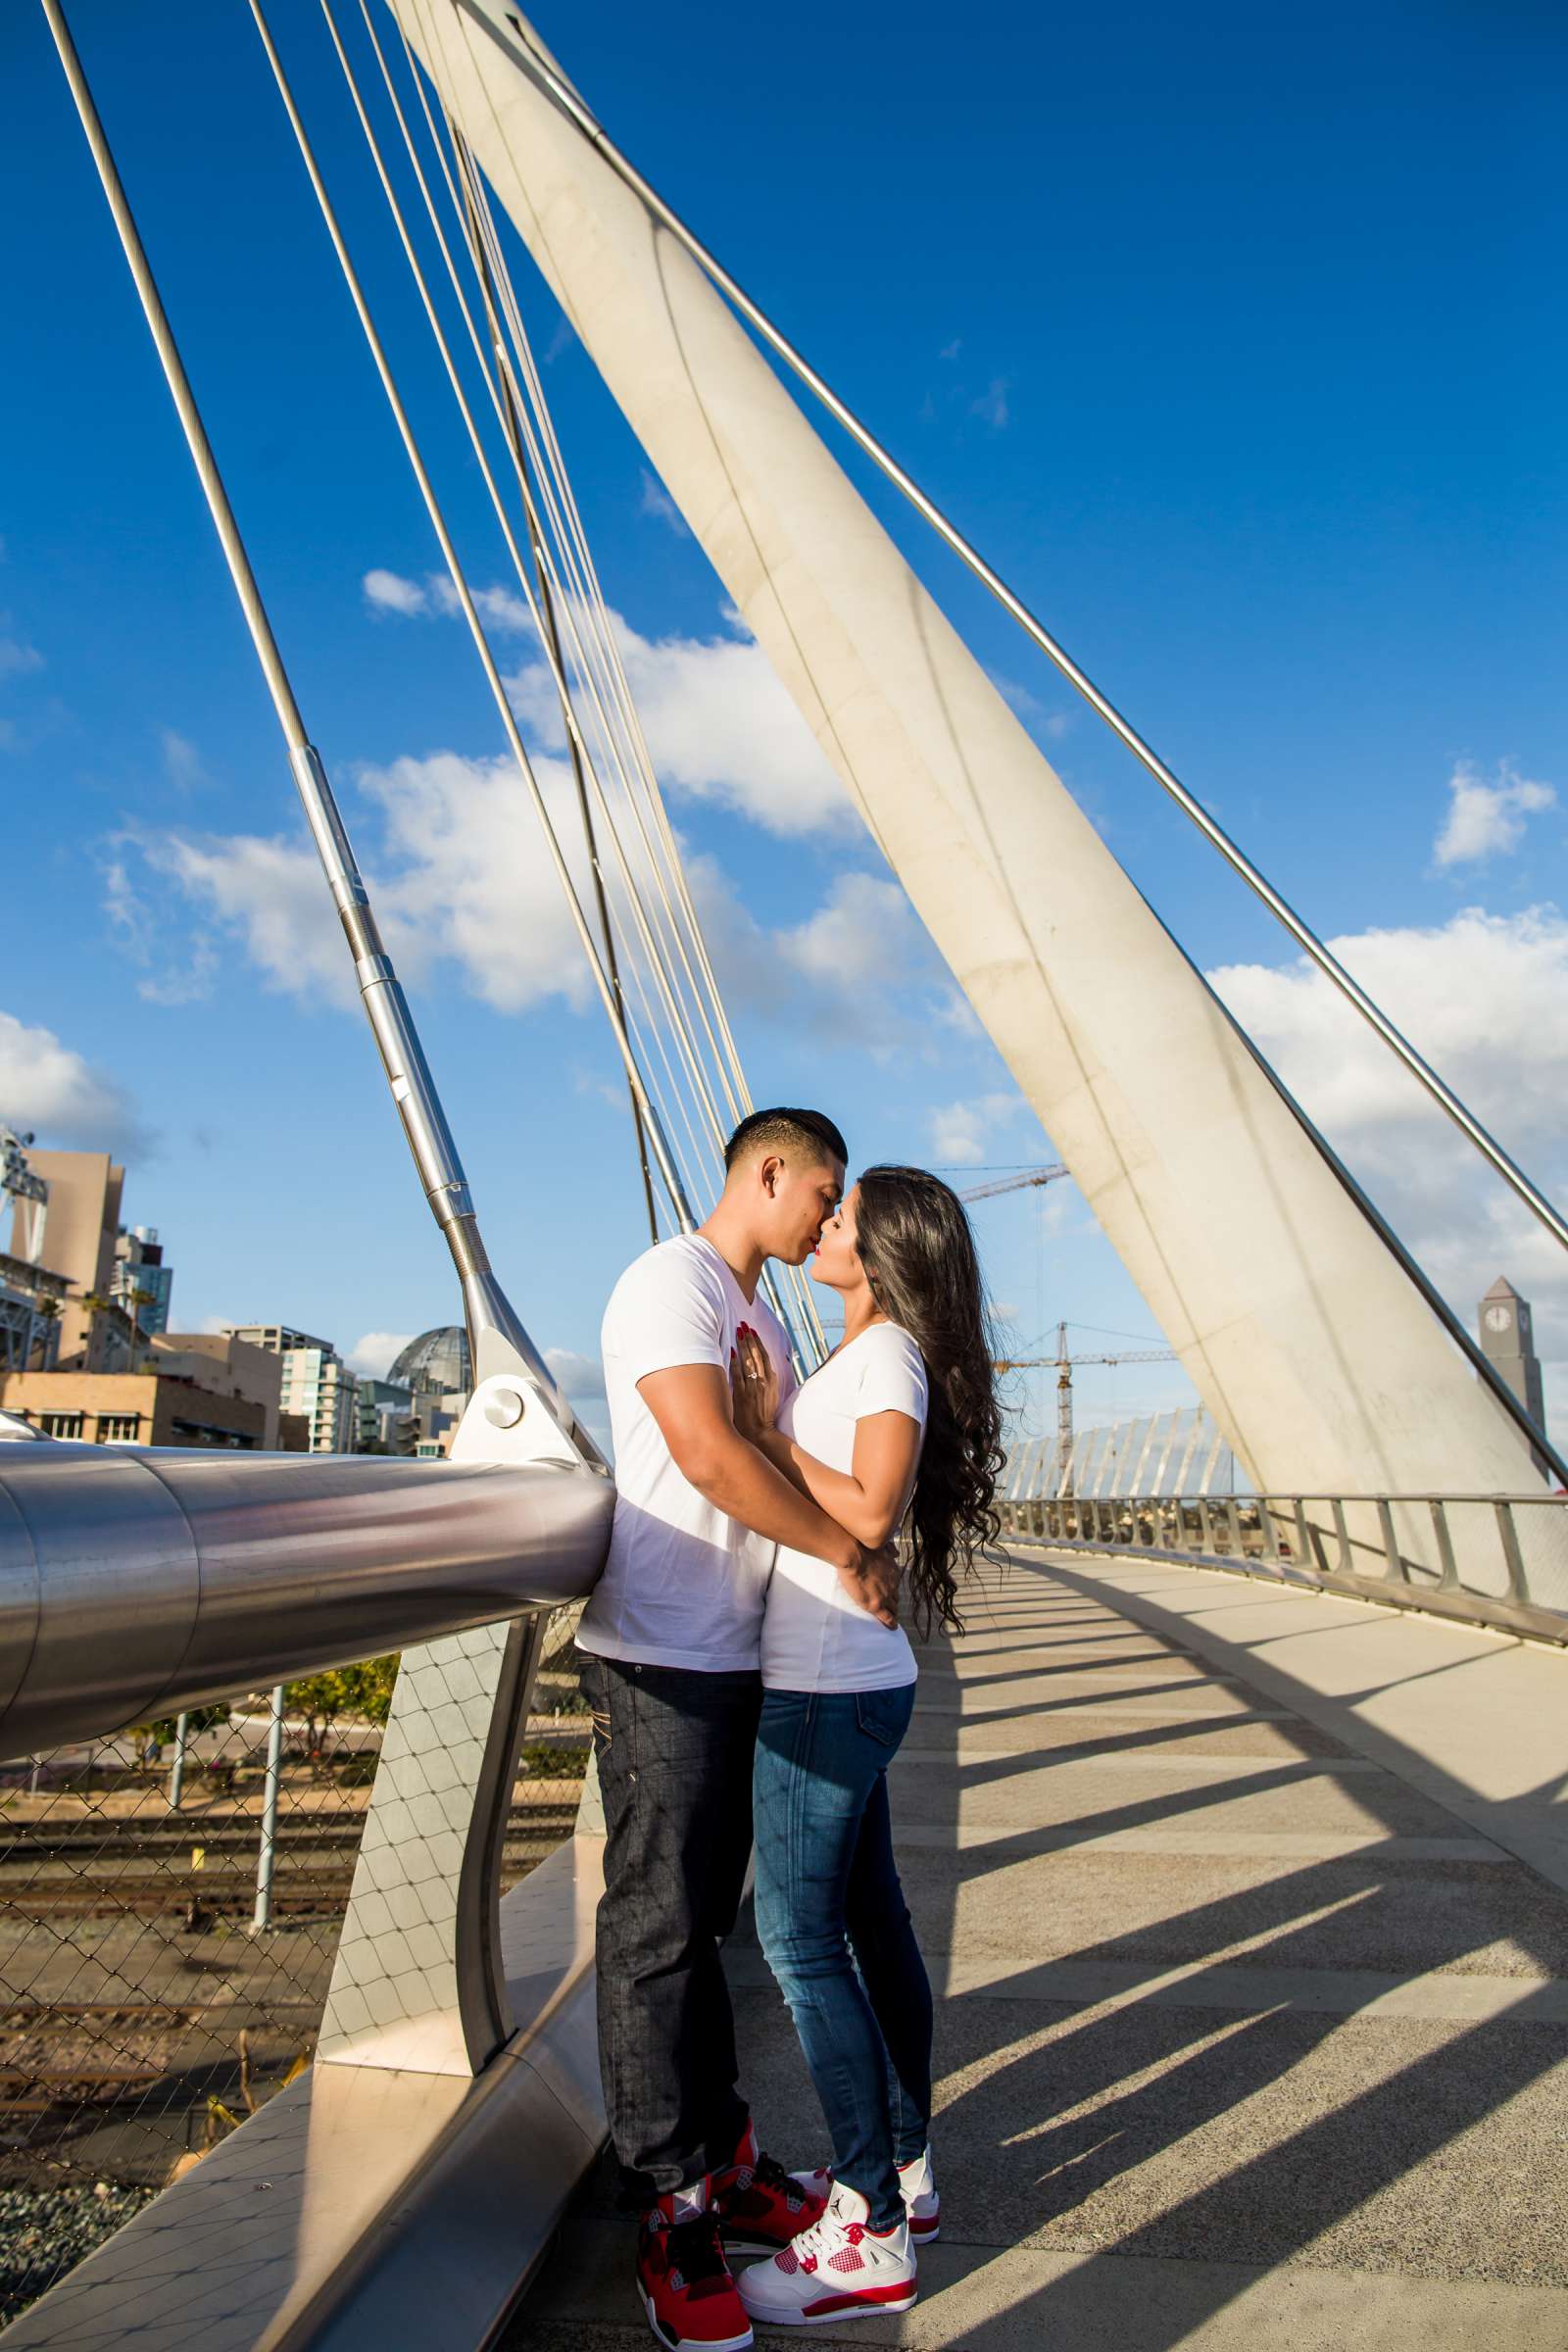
{"type": "Point", "coordinates": [176, 1770]}
{"type": "Point", "coordinates": [265, 1860]}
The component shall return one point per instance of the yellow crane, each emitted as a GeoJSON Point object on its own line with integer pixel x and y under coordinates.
{"type": "Point", "coordinates": [1063, 1363]}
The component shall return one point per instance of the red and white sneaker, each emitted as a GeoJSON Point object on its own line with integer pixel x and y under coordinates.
{"type": "Point", "coordinates": [686, 2284]}
{"type": "Point", "coordinates": [760, 2206]}
{"type": "Point", "coordinates": [836, 2270]}
{"type": "Point", "coordinates": [917, 2185]}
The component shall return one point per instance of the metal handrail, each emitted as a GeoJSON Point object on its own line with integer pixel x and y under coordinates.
{"type": "Point", "coordinates": [137, 1581]}
{"type": "Point", "coordinates": [1502, 1566]}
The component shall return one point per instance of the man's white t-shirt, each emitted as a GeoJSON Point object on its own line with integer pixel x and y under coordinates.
{"type": "Point", "coordinates": [814, 1635]}
{"type": "Point", "coordinates": [684, 1582]}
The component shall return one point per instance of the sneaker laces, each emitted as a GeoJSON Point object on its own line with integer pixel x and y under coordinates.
{"type": "Point", "coordinates": [694, 2248]}
{"type": "Point", "coordinates": [768, 2172]}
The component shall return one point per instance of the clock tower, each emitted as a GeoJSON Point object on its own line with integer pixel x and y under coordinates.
{"type": "Point", "coordinates": [1507, 1340]}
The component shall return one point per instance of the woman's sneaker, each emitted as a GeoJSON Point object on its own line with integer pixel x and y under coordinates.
{"type": "Point", "coordinates": [917, 2185]}
{"type": "Point", "coordinates": [685, 2282]}
{"type": "Point", "coordinates": [836, 2270]}
{"type": "Point", "coordinates": [760, 2206]}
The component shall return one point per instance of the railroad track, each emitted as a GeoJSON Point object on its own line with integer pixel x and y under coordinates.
{"type": "Point", "coordinates": [338, 1830]}
{"type": "Point", "coordinates": [312, 1876]}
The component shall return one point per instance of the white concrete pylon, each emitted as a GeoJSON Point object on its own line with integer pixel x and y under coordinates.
{"type": "Point", "coordinates": [1321, 1362]}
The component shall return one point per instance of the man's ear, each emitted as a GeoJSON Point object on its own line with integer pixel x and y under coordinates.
{"type": "Point", "coordinates": [770, 1171]}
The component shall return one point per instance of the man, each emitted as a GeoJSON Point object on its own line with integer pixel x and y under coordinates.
{"type": "Point", "coordinates": [672, 1634]}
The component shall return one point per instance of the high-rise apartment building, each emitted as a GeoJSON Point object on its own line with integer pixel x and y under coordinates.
{"type": "Point", "coordinates": [316, 1383]}
{"type": "Point", "coordinates": [139, 1280]}
{"type": "Point", "coordinates": [387, 1420]}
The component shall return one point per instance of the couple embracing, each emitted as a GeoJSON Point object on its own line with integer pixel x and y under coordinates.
{"type": "Point", "coordinates": [749, 1678]}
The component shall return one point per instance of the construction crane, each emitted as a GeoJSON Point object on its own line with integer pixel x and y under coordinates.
{"type": "Point", "coordinates": [1063, 1363]}
{"type": "Point", "coordinates": [1015, 1184]}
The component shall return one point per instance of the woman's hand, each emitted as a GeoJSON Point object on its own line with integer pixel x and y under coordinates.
{"type": "Point", "coordinates": [754, 1386]}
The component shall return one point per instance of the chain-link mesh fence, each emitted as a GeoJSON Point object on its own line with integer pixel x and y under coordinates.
{"type": "Point", "coordinates": [164, 1959]}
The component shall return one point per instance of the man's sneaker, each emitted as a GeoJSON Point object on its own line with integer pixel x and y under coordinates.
{"type": "Point", "coordinates": [836, 2270]}
{"type": "Point", "coordinates": [760, 2206]}
{"type": "Point", "coordinates": [917, 2185]}
{"type": "Point", "coordinates": [684, 2280]}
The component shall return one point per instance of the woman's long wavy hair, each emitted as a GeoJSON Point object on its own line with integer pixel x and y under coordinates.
{"type": "Point", "coordinates": [913, 1239]}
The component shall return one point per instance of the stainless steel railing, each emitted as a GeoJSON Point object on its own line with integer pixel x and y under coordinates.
{"type": "Point", "coordinates": [454, 2045]}
{"type": "Point", "coordinates": [1497, 1560]}
{"type": "Point", "coordinates": [137, 1582]}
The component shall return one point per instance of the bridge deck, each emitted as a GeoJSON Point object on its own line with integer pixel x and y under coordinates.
{"type": "Point", "coordinates": [1250, 1915]}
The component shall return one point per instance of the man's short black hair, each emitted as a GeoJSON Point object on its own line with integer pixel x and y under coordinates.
{"type": "Point", "coordinates": [777, 1130]}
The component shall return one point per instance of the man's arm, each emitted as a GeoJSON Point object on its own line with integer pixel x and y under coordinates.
{"type": "Point", "coordinates": [691, 1405]}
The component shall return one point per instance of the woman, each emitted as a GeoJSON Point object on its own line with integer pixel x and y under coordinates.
{"type": "Point", "coordinates": [902, 1419]}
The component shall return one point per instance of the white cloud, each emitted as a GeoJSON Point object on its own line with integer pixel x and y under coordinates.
{"type": "Point", "coordinates": [1053, 725]}
{"type": "Point", "coordinates": [1481, 997]}
{"type": "Point", "coordinates": [389, 592]}
{"type": "Point", "coordinates": [141, 937]}
{"type": "Point", "coordinates": [655, 500]}
{"type": "Point", "coordinates": [1487, 820]}
{"type": "Point", "coordinates": [863, 936]}
{"type": "Point", "coordinates": [50, 1090]}
{"type": "Point", "coordinates": [373, 1355]}
{"type": "Point", "coordinates": [581, 1376]}
{"type": "Point", "coordinates": [960, 1132]}
{"type": "Point", "coordinates": [992, 405]}
{"type": "Point", "coordinates": [719, 724]}
{"type": "Point", "coordinates": [859, 973]}
{"type": "Point", "coordinates": [17, 660]}
{"type": "Point", "coordinates": [182, 763]}
{"type": "Point", "coordinates": [273, 894]}
{"type": "Point", "coordinates": [474, 882]}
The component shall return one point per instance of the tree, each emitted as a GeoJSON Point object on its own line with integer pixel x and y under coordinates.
{"type": "Point", "coordinates": [94, 1303]}
{"type": "Point", "coordinates": [136, 1299]}
{"type": "Point", "coordinates": [46, 1313]}
{"type": "Point", "coordinates": [363, 1692]}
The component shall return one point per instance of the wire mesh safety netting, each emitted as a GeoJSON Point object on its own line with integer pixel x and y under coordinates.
{"type": "Point", "coordinates": [162, 1974]}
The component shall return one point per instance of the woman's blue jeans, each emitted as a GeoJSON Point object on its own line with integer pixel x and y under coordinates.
{"type": "Point", "coordinates": [827, 1888]}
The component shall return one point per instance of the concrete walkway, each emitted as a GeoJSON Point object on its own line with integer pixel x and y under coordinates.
{"type": "Point", "coordinates": [1247, 1912]}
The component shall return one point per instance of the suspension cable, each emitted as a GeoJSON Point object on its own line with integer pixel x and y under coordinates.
{"type": "Point", "coordinates": [667, 1173]}
{"type": "Point", "coordinates": [523, 53]}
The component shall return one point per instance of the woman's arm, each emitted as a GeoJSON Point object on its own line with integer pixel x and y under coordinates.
{"type": "Point", "coordinates": [869, 1498]}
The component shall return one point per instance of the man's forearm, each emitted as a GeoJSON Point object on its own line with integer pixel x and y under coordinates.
{"type": "Point", "coordinates": [746, 1487]}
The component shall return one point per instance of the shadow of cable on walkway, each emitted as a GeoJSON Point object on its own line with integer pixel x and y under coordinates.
{"type": "Point", "coordinates": [1224, 2135]}
{"type": "Point", "coordinates": [1228, 2006]}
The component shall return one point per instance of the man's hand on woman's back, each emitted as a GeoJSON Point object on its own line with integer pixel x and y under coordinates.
{"type": "Point", "coordinates": [875, 1583]}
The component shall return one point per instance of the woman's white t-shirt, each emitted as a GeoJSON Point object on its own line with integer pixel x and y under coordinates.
{"type": "Point", "coordinates": [814, 1636]}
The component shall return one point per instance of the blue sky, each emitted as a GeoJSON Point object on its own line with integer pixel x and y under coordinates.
{"type": "Point", "coordinates": [1238, 346]}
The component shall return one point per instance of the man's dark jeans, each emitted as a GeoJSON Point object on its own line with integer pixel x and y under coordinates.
{"type": "Point", "coordinates": [674, 1752]}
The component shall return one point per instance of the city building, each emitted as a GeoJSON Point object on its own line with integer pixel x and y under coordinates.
{"type": "Point", "coordinates": [135, 1408]}
{"type": "Point", "coordinates": [436, 1418]}
{"type": "Point", "coordinates": [438, 1369]}
{"type": "Point", "coordinates": [387, 1422]}
{"type": "Point", "coordinates": [222, 1365]}
{"type": "Point", "coordinates": [438, 1362]}
{"type": "Point", "coordinates": [316, 1382]}
{"type": "Point", "coordinates": [1508, 1343]}
{"type": "Point", "coordinates": [139, 1280]}
{"type": "Point", "coordinates": [81, 1228]}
